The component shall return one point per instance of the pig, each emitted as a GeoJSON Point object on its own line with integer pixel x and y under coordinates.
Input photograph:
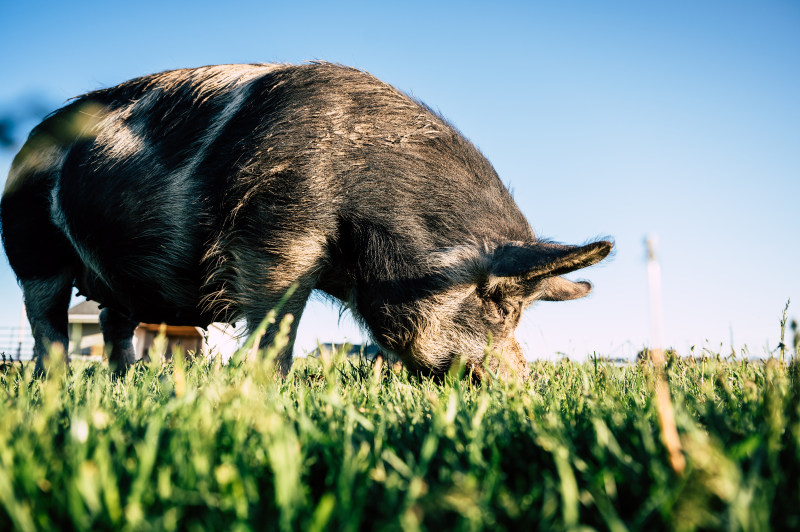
{"type": "Point", "coordinates": [203, 194]}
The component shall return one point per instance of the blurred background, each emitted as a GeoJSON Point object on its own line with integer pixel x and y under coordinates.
{"type": "Point", "coordinates": [679, 120]}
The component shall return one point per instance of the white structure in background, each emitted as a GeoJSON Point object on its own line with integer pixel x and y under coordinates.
{"type": "Point", "coordinates": [221, 340]}
{"type": "Point", "coordinates": [86, 338]}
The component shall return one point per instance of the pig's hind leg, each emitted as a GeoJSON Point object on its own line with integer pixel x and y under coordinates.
{"type": "Point", "coordinates": [44, 261]}
{"type": "Point", "coordinates": [47, 303]}
{"type": "Point", "coordinates": [118, 337]}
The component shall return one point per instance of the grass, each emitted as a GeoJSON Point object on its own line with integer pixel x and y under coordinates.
{"type": "Point", "coordinates": [346, 445]}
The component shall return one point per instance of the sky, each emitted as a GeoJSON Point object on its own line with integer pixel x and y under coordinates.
{"type": "Point", "coordinates": [679, 120]}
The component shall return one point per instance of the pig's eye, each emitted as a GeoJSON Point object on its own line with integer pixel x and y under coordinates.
{"type": "Point", "coordinates": [503, 306]}
{"type": "Point", "coordinates": [507, 309]}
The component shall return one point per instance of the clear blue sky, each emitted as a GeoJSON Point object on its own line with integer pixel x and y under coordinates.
{"type": "Point", "coordinates": [680, 119]}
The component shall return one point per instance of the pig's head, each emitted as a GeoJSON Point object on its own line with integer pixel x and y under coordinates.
{"type": "Point", "coordinates": [476, 298]}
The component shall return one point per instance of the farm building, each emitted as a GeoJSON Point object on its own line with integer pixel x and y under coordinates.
{"type": "Point", "coordinates": [368, 351]}
{"type": "Point", "coordinates": [86, 338]}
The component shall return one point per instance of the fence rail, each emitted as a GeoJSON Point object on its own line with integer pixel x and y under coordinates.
{"type": "Point", "coordinates": [16, 343]}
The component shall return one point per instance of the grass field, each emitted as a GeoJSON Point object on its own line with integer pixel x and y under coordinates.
{"type": "Point", "coordinates": [345, 445]}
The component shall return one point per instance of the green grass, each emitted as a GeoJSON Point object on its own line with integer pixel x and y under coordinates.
{"type": "Point", "coordinates": [342, 445]}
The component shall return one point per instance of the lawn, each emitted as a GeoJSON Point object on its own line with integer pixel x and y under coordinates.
{"type": "Point", "coordinates": [344, 444]}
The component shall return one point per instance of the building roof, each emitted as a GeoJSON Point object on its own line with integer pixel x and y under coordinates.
{"type": "Point", "coordinates": [85, 312]}
{"type": "Point", "coordinates": [186, 331]}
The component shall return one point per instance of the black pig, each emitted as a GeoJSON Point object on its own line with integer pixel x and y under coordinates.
{"type": "Point", "coordinates": [203, 194]}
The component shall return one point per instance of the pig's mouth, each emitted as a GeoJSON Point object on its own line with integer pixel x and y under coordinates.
{"type": "Point", "coordinates": [505, 363]}
{"type": "Point", "coordinates": [487, 369]}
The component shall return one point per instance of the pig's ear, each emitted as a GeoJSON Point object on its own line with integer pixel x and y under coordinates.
{"type": "Point", "coordinates": [560, 289]}
{"type": "Point", "coordinates": [543, 259]}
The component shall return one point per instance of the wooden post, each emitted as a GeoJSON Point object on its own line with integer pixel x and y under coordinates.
{"type": "Point", "coordinates": [666, 413]}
